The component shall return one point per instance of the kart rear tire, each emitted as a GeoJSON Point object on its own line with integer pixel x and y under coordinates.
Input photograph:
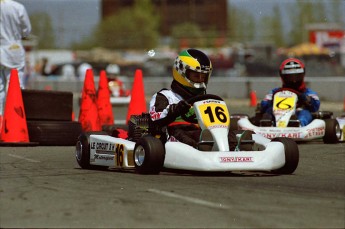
{"type": "Point", "coordinates": [149, 155]}
{"type": "Point", "coordinates": [82, 151]}
{"type": "Point", "coordinates": [332, 131]}
{"type": "Point", "coordinates": [291, 155]}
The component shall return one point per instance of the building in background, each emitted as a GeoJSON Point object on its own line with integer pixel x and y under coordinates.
{"type": "Point", "coordinates": [208, 15]}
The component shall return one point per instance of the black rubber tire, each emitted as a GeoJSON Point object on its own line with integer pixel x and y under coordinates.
{"type": "Point", "coordinates": [54, 133]}
{"type": "Point", "coordinates": [82, 153]}
{"type": "Point", "coordinates": [291, 155]}
{"type": "Point", "coordinates": [48, 105]}
{"type": "Point", "coordinates": [332, 131]}
{"type": "Point", "coordinates": [149, 155]}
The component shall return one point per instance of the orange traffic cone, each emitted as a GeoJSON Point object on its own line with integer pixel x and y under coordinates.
{"type": "Point", "coordinates": [253, 99]}
{"type": "Point", "coordinates": [88, 115]}
{"type": "Point", "coordinates": [137, 105]}
{"type": "Point", "coordinates": [14, 126]}
{"type": "Point", "coordinates": [105, 110]}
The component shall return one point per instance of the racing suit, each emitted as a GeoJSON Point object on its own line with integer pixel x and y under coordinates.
{"type": "Point", "coordinates": [308, 102]}
{"type": "Point", "coordinates": [166, 106]}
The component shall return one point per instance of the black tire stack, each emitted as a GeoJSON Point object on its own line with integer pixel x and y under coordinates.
{"type": "Point", "coordinates": [49, 117]}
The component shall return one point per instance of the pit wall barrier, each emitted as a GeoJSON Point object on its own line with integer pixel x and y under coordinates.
{"type": "Point", "coordinates": [328, 88]}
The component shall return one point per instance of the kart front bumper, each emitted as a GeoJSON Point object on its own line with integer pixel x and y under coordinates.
{"type": "Point", "coordinates": [315, 130]}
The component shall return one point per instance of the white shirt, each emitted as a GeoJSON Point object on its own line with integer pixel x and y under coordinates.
{"type": "Point", "coordinates": [14, 25]}
{"type": "Point", "coordinates": [173, 98]}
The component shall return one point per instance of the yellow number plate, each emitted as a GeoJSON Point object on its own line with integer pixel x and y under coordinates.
{"type": "Point", "coordinates": [284, 103]}
{"type": "Point", "coordinates": [214, 114]}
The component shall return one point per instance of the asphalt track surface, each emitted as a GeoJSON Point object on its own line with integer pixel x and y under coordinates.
{"type": "Point", "coordinates": [43, 187]}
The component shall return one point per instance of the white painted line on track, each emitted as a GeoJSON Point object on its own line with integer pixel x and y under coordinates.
{"type": "Point", "coordinates": [23, 158]}
{"type": "Point", "coordinates": [190, 199]}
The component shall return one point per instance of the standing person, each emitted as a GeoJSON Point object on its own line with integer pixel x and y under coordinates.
{"type": "Point", "coordinates": [14, 26]}
{"type": "Point", "coordinates": [292, 72]}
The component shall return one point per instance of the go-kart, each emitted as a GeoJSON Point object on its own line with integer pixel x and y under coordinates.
{"type": "Point", "coordinates": [149, 150]}
{"type": "Point", "coordinates": [285, 123]}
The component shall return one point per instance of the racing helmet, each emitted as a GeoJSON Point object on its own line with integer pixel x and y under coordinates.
{"type": "Point", "coordinates": [192, 70]}
{"type": "Point", "coordinates": [292, 73]}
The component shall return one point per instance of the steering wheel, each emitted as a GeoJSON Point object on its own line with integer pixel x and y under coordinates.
{"type": "Point", "coordinates": [191, 101]}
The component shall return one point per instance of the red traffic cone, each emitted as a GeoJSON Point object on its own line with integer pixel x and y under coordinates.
{"type": "Point", "coordinates": [88, 115]}
{"type": "Point", "coordinates": [253, 99]}
{"type": "Point", "coordinates": [137, 105]}
{"type": "Point", "coordinates": [14, 126]}
{"type": "Point", "coordinates": [105, 110]}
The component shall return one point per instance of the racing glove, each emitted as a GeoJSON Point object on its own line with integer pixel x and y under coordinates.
{"type": "Point", "coordinates": [176, 110]}
{"type": "Point", "coordinates": [304, 99]}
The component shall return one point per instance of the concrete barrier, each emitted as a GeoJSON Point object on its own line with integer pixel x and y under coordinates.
{"type": "Point", "coordinates": [328, 88]}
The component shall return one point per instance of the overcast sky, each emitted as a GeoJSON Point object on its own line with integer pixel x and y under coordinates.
{"type": "Point", "coordinates": [74, 19]}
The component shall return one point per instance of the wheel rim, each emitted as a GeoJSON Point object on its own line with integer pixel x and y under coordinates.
{"type": "Point", "coordinates": [338, 132]}
{"type": "Point", "coordinates": [78, 150]}
{"type": "Point", "coordinates": [139, 155]}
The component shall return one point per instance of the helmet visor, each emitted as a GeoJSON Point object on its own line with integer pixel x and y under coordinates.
{"type": "Point", "coordinates": [293, 79]}
{"type": "Point", "coordinates": [197, 77]}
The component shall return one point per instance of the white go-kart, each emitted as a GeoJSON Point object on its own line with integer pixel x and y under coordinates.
{"type": "Point", "coordinates": [148, 151]}
{"type": "Point", "coordinates": [323, 125]}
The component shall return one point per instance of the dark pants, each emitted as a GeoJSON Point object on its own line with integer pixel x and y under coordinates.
{"type": "Point", "coordinates": [188, 134]}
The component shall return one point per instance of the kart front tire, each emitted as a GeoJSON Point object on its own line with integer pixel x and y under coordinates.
{"type": "Point", "coordinates": [332, 131]}
{"type": "Point", "coordinates": [149, 155]}
{"type": "Point", "coordinates": [291, 156]}
{"type": "Point", "coordinates": [82, 151]}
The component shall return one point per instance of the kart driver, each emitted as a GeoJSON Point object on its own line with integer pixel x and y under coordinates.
{"type": "Point", "coordinates": [191, 73]}
{"type": "Point", "coordinates": [292, 73]}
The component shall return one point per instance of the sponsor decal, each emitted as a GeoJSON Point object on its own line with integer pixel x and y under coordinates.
{"type": "Point", "coordinates": [210, 101]}
{"type": "Point", "coordinates": [102, 146]}
{"type": "Point", "coordinates": [286, 135]}
{"type": "Point", "coordinates": [317, 131]}
{"type": "Point", "coordinates": [155, 115]}
{"type": "Point", "coordinates": [103, 157]}
{"type": "Point", "coordinates": [235, 159]}
{"type": "Point", "coordinates": [218, 126]}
